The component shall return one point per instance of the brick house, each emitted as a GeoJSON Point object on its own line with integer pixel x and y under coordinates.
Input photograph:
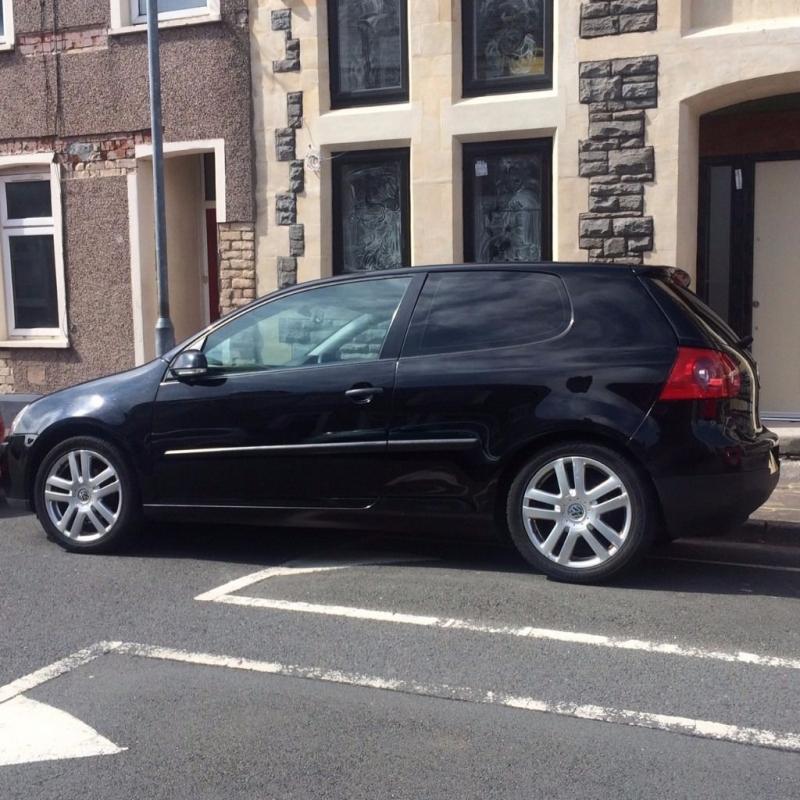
{"type": "Point", "coordinates": [77, 273]}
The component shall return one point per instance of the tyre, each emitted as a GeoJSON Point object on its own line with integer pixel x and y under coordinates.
{"type": "Point", "coordinates": [581, 513]}
{"type": "Point", "coordinates": [85, 495]}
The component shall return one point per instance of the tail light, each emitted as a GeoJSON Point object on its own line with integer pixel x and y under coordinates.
{"type": "Point", "coordinates": [700, 374]}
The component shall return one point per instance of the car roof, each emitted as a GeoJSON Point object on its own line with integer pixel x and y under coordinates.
{"type": "Point", "coordinates": [538, 266]}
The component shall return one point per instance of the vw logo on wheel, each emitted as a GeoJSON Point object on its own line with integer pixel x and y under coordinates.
{"type": "Point", "coordinates": [576, 512]}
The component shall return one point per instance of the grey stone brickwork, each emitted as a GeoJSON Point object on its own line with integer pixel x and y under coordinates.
{"type": "Point", "coordinates": [614, 17]}
{"type": "Point", "coordinates": [282, 21]}
{"type": "Point", "coordinates": [616, 158]}
{"type": "Point", "coordinates": [286, 152]}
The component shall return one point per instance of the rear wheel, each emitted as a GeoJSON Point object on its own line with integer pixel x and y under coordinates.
{"type": "Point", "coordinates": [580, 512]}
{"type": "Point", "coordinates": [85, 495]}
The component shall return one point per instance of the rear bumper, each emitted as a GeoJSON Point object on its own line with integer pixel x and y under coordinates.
{"type": "Point", "coordinates": [696, 505]}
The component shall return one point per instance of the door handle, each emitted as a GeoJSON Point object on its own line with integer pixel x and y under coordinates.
{"type": "Point", "coordinates": [361, 395]}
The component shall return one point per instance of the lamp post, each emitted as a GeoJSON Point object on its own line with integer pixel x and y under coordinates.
{"type": "Point", "coordinates": [165, 334]}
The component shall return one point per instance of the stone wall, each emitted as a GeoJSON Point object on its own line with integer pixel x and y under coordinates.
{"type": "Point", "coordinates": [604, 18]}
{"type": "Point", "coordinates": [237, 265]}
{"type": "Point", "coordinates": [286, 152]}
{"type": "Point", "coordinates": [616, 159]}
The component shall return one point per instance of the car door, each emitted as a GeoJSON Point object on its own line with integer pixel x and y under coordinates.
{"type": "Point", "coordinates": [480, 369]}
{"type": "Point", "coordinates": [293, 411]}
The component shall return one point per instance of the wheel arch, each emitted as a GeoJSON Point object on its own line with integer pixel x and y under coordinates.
{"type": "Point", "coordinates": [527, 450]}
{"type": "Point", "coordinates": [69, 429]}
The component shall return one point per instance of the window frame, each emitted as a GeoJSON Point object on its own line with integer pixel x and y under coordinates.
{"type": "Point", "coordinates": [475, 87]}
{"type": "Point", "coordinates": [390, 349]}
{"type": "Point", "coordinates": [470, 151]}
{"type": "Point", "coordinates": [348, 157]}
{"type": "Point", "coordinates": [365, 97]}
{"type": "Point", "coordinates": [33, 226]}
{"type": "Point", "coordinates": [7, 36]}
{"type": "Point", "coordinates": [125, 16]}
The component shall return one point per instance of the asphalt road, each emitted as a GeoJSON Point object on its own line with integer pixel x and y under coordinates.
{"type": "Point", "coordinates": [231, 663]}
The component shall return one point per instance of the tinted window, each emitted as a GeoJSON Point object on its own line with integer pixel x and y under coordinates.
{"type": "Point", "coordinates": [477, 310]}
{"type": "Point", "coordinates": [330, 324]}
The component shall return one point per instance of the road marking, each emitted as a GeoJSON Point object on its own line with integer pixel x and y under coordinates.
{"type": "Point", "coordinates": [31, 731]}
{"type": "Point", "coordinates": [45, 674]}
{"type": "Point", "coordinates": [222, 595]}
{"type": "Point", "coordinates": [737, 564]}
{"type": "Point", "coordinates": [704, 729]}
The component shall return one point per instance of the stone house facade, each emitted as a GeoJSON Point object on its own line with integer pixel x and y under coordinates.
{"type": "Point", "coordinates": [76, 212]}
{"type": "Point", "coordinates": [619, 131]}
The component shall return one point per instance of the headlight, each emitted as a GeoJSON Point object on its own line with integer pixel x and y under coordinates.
{"type": "Point", "coordinates": [13, 429]}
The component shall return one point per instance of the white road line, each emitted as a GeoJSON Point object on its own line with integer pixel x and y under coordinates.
{"type": "Point", "coordinates": [293, 568]}
{"type": "Point", "coordinates": [663, 722]}
{"type": "Point", "coordinates": [31, 731]}
{"type": "Point", "coordinates": [51, 671]}
{"type": "Point", "coordinates": [737, 564]}
{"type": "Point", "coordinates": [673, 724]}
{"type": "Point", "coordinates": [569, 637]}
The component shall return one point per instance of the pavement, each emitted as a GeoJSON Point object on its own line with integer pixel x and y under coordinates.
{"type": "Point", "coordinates": [221, 662]}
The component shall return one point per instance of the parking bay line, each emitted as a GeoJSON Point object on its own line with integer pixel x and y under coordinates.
{"type": "Point", "coordinates": [704, 729]}
{"type": "Point", "coordinates": [222, 595]}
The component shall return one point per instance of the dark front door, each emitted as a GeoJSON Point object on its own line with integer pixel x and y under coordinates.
{"type": "Point", "coordinates": [294, 411]}
{"type": "Point", "coordinates": [725, 257]}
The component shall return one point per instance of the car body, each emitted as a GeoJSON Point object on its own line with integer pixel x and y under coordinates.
{"type": "Point", "coordinates": [418, 407]}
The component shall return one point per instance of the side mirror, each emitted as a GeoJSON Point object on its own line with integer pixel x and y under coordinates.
{"type": "Point", "coordinates": [189, 364]}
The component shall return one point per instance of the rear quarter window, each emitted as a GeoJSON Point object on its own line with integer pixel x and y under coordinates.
{"type": "Point", "coordinates": [480, 310]}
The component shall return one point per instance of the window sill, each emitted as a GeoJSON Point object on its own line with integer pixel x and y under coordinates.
{"type": "Point", "coordinates": [180, 22]}
{"type": "Point", "coordinates": [54, 343]}
{"type": "Point", "coordinates": [6, 47]}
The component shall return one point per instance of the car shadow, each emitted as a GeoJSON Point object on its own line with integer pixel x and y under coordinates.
{"type": "Point", "coordinates": [724, 566]}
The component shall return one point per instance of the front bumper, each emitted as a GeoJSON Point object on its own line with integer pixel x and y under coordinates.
{"type": "Point", "coordinates": [13, 471]}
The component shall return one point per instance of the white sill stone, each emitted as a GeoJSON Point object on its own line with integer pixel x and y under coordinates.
{"type": "Point", "coordinates": [53, 343]}
{"type": "Point", "coordinates": [180, 22]}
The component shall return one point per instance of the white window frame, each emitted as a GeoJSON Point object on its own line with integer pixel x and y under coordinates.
{"type": "Point", "coordinates": [55, 336]}
{"type": "Point", "coordinates": [202, 8]}
{"type": "Point", "coordinates": [7, 36]}
{"type": "Point", "coordinates": [125, 16]}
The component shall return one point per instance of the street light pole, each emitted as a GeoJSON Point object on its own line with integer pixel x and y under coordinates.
{"type": "Point", "coordinates": [165, 334]}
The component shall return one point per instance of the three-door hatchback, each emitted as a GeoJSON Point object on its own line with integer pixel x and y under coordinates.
{"type": "Point", "coordinates": [580, 410]}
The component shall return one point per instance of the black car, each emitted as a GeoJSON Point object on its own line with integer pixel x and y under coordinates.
{"type": "Point", "coordinates": [581, 410]}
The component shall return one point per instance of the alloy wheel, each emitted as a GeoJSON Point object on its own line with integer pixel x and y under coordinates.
{"type": "Point", "coordinates": [577, 512]}
{"type": "Point", "coordinates": [83, 495]}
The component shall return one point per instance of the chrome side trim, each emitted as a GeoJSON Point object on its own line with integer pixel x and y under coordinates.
{"type": "Point", "coordinates": [286, 448]}
{"type": "Point", "coordinates": [397, 444]}
{"type": "Point", "coordinates": [433, 444]}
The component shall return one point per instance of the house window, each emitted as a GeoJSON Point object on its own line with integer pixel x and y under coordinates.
{"type": "Point", "coordinates": [507, 45]}
{"type": "Point", "coordinates": [169, 9]}
{"type": "Point", "coordinates": [6, 24]}
{"type": "Point", "coordinates": [371, 211]}
{"type": "Point", "coordinates": [368, 51]}
{"type": "Point", "coordinates": [30, 254]}
{"type": "Point", "coordinates": [507, 201]}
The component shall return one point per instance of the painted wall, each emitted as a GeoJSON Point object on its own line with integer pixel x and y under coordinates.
{"type": "Point", "coordinates": [719, 13]}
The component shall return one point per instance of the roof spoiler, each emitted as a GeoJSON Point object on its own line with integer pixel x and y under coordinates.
{"type": "Point", "coordinates": [673, 275]}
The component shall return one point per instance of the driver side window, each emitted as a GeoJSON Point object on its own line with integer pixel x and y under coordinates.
{"type": "Point", "coordinates": [343, 322]}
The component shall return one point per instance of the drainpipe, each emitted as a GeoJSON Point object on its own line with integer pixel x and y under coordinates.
{"type": "Point", "coordinates": [165, 334]}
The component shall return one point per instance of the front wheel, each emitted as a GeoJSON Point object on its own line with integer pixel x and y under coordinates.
{"type": "Point", "coordinates": [85, 495]}
{"type": "Point", "coordinates": [580, 512]}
